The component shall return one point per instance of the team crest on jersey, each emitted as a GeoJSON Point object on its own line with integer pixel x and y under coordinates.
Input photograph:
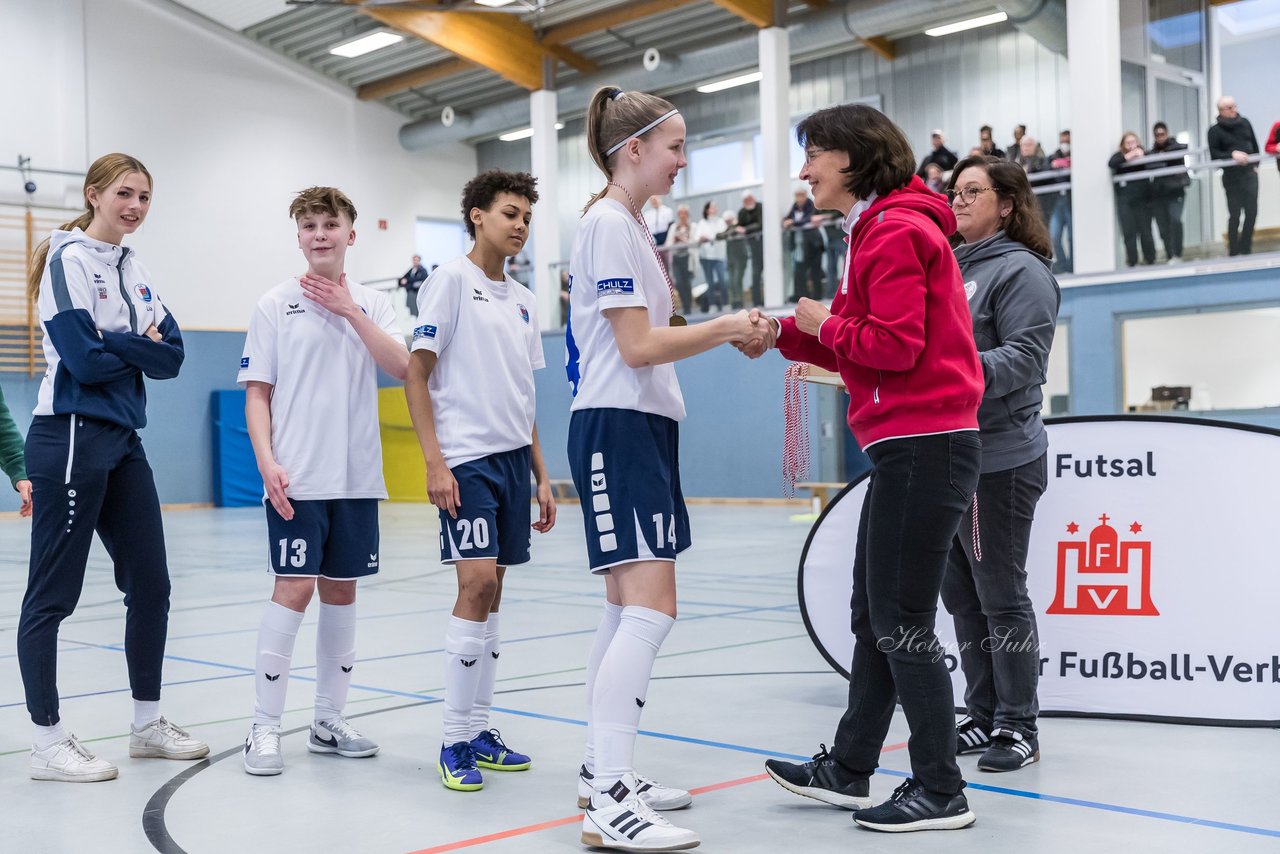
{"type": "Point", "coordinates": [144, 292]}
{"type": "Point", "coordinates": [102, 291]}
{"type": "Point", "coordinates": [244, 362]}
{"type": "Point", "coordinates": [424, 331]}
{"type": "Point", "coordinates": [613, 287]}
{"type": "Point", "coordinates": [524, 312]}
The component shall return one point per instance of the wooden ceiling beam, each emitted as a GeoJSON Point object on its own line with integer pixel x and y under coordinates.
{"type": "Point", "coordinates": [760, 13]}
{"type": "Point", "coordinates": [503, 44]}
{"type": "Point", "coordinates": [378, 89]}
{"type": "Point", "coordinates": [881, 46]}
{"type": "Point", "coordinates": [617, 16]}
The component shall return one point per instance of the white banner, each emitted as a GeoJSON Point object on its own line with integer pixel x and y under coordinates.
{"type": "Point", "coordinates": [1154, 569]}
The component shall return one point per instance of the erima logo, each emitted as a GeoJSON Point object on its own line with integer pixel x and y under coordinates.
{"type": "Point", "coordinates": [294, 309]}
{"type": "Point", "coordinates": [479, 296]}
{"type": "Point", "coordinates": [426, 331]}
{"type": "Point", "coordinates": [639, 702]}
{"type": "Point", "coordinates": [613, 287]}
{"type": "Point", "coordinates": [373, 561]}
{"type": "Point", "coordinates": [144, 292]}
{"type": "Point", "coordinates": [244, 363]}
{"type": "Point", "coordinates": [346, 669]}
{"type": "Point", "coordinates": [495, 655]}
{"type": "Point", "coordinates": [271, 678]}
{"type": "Point", "coordinates": [466, 663]}
{"type": "Point", "coordinates": [97, 277]}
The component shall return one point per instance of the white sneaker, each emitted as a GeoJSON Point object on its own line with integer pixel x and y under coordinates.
{"type": "Point", "coordinates": [620, 820]}
{"type": "Point", "coordinates": [262, 757]}
{"type": "Point", "coordinates": [163, 740]}
{"type": "Point", "coordinates": [69, 761]}
{"type": "Point", "coordinates": [653, 793]}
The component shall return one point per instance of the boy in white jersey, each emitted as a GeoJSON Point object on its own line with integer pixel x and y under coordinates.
{"type": "Point", "coordinates": [310, 373]}
{"type": "Point", "coordinates": [471, 396]}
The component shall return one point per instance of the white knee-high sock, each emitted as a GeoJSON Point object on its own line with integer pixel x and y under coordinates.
{"type": "Point", "coordinates": [621, 687]}
{"type": "Point", "coordinates": [604, 635]}
{"type": "Point", "coordinates": [276, 634]}
{"type": "Point", "coordinates": [335, 658]}
{"type": "Point", "coordinates": [488, 667]}
{"type": "Point", "coordinates": [463, 647]}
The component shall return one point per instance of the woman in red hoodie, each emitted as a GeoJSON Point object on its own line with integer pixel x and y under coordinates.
{"type": "Point", "coordinates": [900, 335]}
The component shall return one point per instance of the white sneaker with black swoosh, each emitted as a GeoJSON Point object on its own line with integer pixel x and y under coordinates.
{"type": "Point", "coordinates": [337, 736]}
{"type": "Point", "coordinates": [620, 820]}
{"type": "Point", "coordinates": [262, 757]}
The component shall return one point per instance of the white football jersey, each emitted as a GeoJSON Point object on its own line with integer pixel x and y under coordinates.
{"type": "Point", "coordinates": [324, 405]}
{"type": "Point", "coordinates": [486, 339]}
{"type": "Point", "coordinates": [613, 266]}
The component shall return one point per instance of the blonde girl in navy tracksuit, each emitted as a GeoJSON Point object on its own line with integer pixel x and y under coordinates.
{"type": "Point", "coordinates": [104, 328]}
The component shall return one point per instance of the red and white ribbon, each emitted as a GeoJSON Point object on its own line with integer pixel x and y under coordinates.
{"type": "Point", "coordinates": [795, 437]}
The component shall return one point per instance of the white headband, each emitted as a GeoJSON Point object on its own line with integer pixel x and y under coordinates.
{"type": "Point", "coordinates": [653, 124]}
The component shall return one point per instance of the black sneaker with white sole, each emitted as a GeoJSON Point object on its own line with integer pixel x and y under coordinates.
{"type": "Point", "coordinates": [971, 737]}
{"type": "Point", "coordinates": [1009, 751]}
{"type": "Point", "coordinates": [912, 807]}
{"type": "Point", "coordinates": [823, 779]}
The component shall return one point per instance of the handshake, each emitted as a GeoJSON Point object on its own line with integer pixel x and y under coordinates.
{"type": "Point", "coordinates": [753, 333]}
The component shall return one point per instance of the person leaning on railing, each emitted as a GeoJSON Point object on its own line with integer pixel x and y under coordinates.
{"type": "Point", "coordinates": [1133, 201]}
{"type": "Point", "coordinates": [1168, 192]}
{"type": "Point", "coordinates": [1232, 138]}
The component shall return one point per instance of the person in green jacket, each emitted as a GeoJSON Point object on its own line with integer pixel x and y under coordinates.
{"type": "Point", "coordinates": [12, 461]}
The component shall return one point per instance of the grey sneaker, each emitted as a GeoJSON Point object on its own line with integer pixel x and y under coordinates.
{"type": "Point", "coordinates": [161, 739]}
{"type": "Point", "coordinates": [262, 757]}
{"type": "Point", "coordinates": [338, 736]}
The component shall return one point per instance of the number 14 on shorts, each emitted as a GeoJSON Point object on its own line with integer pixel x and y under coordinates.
{"type": "Point", "coordinates": [669, 532]}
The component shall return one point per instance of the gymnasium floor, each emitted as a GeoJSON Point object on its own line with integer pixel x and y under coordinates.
{"type": "Point", "coordinates": [737, 681]}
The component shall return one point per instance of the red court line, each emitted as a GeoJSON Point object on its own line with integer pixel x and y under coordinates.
{"type": "Point", "coordinates": [560, 822]}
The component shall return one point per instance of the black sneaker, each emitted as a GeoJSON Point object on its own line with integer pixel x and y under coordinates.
{"type": "Point", "coordinates": [1009, 751]}
{"type": "Point", "coordinates": [910, 807]}
{"type": "Point", "coordinates": [823, 779]}
{"type": "Point", "coordinates": [971, 737]}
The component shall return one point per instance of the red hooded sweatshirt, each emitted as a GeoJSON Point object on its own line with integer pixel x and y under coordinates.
{"type": "Point", "coordinates": [900, 334]}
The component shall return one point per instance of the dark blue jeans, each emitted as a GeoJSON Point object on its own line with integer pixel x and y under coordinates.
{"type": "Point", "coordinates": [987, 597]}
{"type": "Point", "coordinates": [920, 489]}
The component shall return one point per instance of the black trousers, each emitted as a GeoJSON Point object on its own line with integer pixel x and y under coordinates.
{"type": "Point", "coordinates": [1166, 207]}
{"type": "Point", "coordinates": [985, 590]}
{"type": "Point", "coordinates": [920, 488]}
{"type": "Point", "coordinates": [89, 475]}
{"type": "Point", "coordinates": [1242, 210]}
{"type": "Point", "coordinates": [1135, 226]}
{"type": "Point", "coordinates": [756, 246]}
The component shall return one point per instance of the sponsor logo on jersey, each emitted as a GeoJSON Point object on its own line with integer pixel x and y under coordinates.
{"type": "Point", "coordinates": [524, 312]}
{"type": "Point", "coordinates": [613, 287]}
{"type": "Point", "coordinates": [144, 292]}
{"type": "Point", "coordinates": [244, 362]}
{"type": "Point", "coordinates": [294, 308]}
{"type": "Point", "coordinates": [424, 331]}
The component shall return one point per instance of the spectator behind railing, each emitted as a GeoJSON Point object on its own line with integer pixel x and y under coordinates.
{"type": "Point", "coordinates": [1232, 137]}
{"type": "Point", "coordinates": [709, 234]}
{"type": "Point", "coordinates": [751, 224]}
{"type": "Point", "coordinates": [1060, 232]}
{"type": "Point", "coordinates": [1133, 201]}
{"type": "Point", "coordinates": [941, 156]}
{"type": "Point", "coordinates": [735, 251]}
{"type": "Point", "coordinates": [986, 145]}
{"type": "Point", "coordinates": [1168, 193]}
{"type": "Point", "coordinates": [678, 240]}
{"type": "Point", "coordinates": [803, 240]}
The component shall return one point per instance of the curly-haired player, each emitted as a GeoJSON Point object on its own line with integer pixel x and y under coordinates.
{"type": "Point", "coordinates": [471, 396]}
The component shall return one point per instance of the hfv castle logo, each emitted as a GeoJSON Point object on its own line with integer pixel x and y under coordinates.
{"type": "Point", "coordinates": [1105, 576]}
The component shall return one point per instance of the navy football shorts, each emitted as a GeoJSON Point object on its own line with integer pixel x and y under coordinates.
{"type": "Point", "coordinates": [625, 466]}
{"type": "Point", "coordinates": [493, 521]}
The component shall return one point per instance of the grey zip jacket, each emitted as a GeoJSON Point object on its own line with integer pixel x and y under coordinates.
{"type": "Point", "coordinates": [1014, 301]}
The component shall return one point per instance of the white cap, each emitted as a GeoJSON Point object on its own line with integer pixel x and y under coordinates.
{"type": "Point", "coordinates": [938, 132]}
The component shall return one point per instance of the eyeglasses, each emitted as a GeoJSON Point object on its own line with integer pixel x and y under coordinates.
{"type": "Point", "coordinates": [968, 194]}
{"type": "Point", "coordinates": [811, 153]}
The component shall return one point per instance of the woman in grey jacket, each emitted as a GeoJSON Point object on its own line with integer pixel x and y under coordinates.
{"type": "Point", "coordinates": [1013, 297]}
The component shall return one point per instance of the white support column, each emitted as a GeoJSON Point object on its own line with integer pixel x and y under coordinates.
{"type": "Point", "coordinates": [775, 124]}
{"type": "Point", "coordinates": [546, 219]}
{"type": "Point", "coordinates": [1093, 45]}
